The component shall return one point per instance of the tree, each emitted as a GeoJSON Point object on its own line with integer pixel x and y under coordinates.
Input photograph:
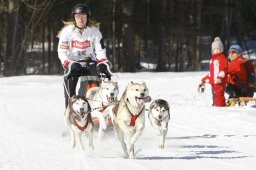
{"type": "Point", "coordinates": [128, 57]}
{"type": "Point", "coordinates": [174, 35]}
{"type": "Point", "coordinates": [161, 65]}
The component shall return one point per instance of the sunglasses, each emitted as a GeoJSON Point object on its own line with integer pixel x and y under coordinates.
{"type": "Point", "coordinates": [233, 52]}
{"type": "Point", "coordinates": [78, 16]}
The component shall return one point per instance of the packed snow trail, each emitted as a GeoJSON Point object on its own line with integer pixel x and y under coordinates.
{"type": "Point", "coordinates": [200, 136]}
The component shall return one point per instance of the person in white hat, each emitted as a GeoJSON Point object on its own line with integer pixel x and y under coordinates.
{"type": "Point", "coordinates": [217, 76]}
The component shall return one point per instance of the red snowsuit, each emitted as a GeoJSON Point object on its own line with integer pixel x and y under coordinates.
{"type": "Point", "coordinates": [238, 75]}
{"type": "Point", "coordinates": [218, 70]}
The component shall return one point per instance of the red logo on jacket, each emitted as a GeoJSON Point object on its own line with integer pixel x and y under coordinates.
{"type": "Point", "coordinates": [81, 44]}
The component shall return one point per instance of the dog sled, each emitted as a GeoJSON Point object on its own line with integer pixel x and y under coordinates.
{"type": "Point", "coordinates": [87, 82]}
{"type": "Point", "coordinates": [241, 101]}
{"type": "Point", "coordinates": [84, 84]}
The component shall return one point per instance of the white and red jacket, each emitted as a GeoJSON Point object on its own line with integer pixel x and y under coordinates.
{"type": "Point", "coordinates": [75, 46]}
{"type": "Point", "coordinates": [218, 69]}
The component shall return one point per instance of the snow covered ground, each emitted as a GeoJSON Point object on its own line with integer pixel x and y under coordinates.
{"type": "Point", "coordinates": [200, 136]}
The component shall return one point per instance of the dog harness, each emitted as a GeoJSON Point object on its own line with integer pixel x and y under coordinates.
{"type": "Point", "coordinates": [102, 108]}
{"type": "Point", "coordinates": [159, 122]}
{"type": "Point", "coordinates": [82, 128]}
{"type": "Point", "coordinates": [134, 117]}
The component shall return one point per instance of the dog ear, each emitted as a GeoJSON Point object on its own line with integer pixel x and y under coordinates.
{"type": "Point", "coordinates": [71, 100]}
{"type": "Point", "coordinates": [143, 83]}
{"type": "Point", "coordinates": [124, 95]}
{"type": "Point", "coordinates": [165, 104]}
{"type": "Point", "coordinates": [89, 107]}
{"type": "Point", "coordinates": [132, 83]}
{"type": "Point", "coordinates": [84, 98]}
{"type": "Point", "coordinates": [152, 105]}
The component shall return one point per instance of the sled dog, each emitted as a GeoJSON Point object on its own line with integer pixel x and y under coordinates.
{"type": "Point", "coordinates": [159, 116]}
{"type": "Point", "coordinates": [129, 115]}
{"type": "Point", "coordinates": [100, 98]}
{"type": "Point", "coordinates": [78, 119]}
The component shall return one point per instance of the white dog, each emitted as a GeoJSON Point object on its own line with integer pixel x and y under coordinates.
{"type": "Point", "coordinates": [129, 115]}
{"type": "Point", "coordinates": [78, 119]}
{"type": "Point", "coordinates": [100, 98]}
{"type": "Point", "coordinates": [159, 116]}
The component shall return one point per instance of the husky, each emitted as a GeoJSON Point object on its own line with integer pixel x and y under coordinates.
{"type": "Point", "coordinates": [159, 116]}
{"type": "Point", "coordinates": [78, 119]}
{"type": "Point", "coordinates": [129, 115]}
{"type": "Point", "coordinates": [100, 98]}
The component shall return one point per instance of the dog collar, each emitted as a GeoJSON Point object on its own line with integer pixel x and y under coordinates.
{"type": "Point", "coordinates": [159, 122]}
{"type": "Point", "coordinates": [82, 128]}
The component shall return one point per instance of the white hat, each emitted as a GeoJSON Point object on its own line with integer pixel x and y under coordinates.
{"type": "Point", "coordinates": [217, 44]}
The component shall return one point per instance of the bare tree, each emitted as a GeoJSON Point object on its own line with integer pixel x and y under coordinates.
{"type": "Point", "coordinates": [197, 59]}
{"type": "Point", "coordinates": [128, 59]}
{"type": "Point", "coordinates": [161, 65]}
{"type": "Point", "coordinates": [19, 31]}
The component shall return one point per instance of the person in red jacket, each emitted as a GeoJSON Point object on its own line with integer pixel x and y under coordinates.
{"type": "Point", "coordinates": [238, 74]}
{"type": "Point", "coordinates": [217, 76]}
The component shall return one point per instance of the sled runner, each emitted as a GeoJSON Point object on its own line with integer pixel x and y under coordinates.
{"type": "Point", "coordinates": [241, 101]}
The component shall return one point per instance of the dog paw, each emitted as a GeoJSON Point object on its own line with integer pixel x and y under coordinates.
{"type": "Point", "coordinates": [104, 127]}
{"type": "Point", "coordinates": [161, 146]}
{"type": "Point", "coordinates": [91, 148]}
{"type": "Point", "coordinates": [125, 156]}
{"type": "Point", "coordinates": [164, 128]}
{"type": "Point", "coordinates": [131, 157]}
{"type": "Point", "coordinates": [159, 134]}
{"type": "Point", "coordinates": [64, 134]}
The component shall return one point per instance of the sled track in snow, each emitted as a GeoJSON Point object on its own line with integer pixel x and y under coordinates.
{"type": "Point", "coordinates": [240, 137]}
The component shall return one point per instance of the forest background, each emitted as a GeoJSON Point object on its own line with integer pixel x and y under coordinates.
{"type": "Point", "coordinates": [139, 35]}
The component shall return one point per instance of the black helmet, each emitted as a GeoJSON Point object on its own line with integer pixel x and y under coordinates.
{"type": "Point", "coordinates": [81, 8]}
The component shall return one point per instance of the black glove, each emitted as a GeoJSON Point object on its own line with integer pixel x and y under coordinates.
{"type": "Point", "coordinates": [103, 71]}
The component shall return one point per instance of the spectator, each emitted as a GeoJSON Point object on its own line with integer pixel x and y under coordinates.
{"type": "Point", "coordinates": [238, 74]}
{"type": "Point", "coordinates": [217, 74]}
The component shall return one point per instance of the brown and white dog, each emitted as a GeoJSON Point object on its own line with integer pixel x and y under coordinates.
{"type": "Point", "coordinates": [129, 115]}
{"type": "Point", "coordinates": [100, 99]}
{"type": "Point", "coordinates": [78, 119]}
{"type": "Point", "coordinates": [159, 116]}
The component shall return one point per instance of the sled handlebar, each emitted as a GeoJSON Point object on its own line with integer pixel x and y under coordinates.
{"type": "Point", "coordinates": [86, 61]}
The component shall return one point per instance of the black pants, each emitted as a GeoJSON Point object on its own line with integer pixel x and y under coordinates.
{"type": "Point", "coordinates": [235, 92]}
{"type": "Point", "coordinates": [71, 80]}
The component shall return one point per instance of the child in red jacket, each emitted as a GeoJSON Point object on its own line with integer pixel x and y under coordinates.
{"type": "Point", "coordinates": [217, 76]}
